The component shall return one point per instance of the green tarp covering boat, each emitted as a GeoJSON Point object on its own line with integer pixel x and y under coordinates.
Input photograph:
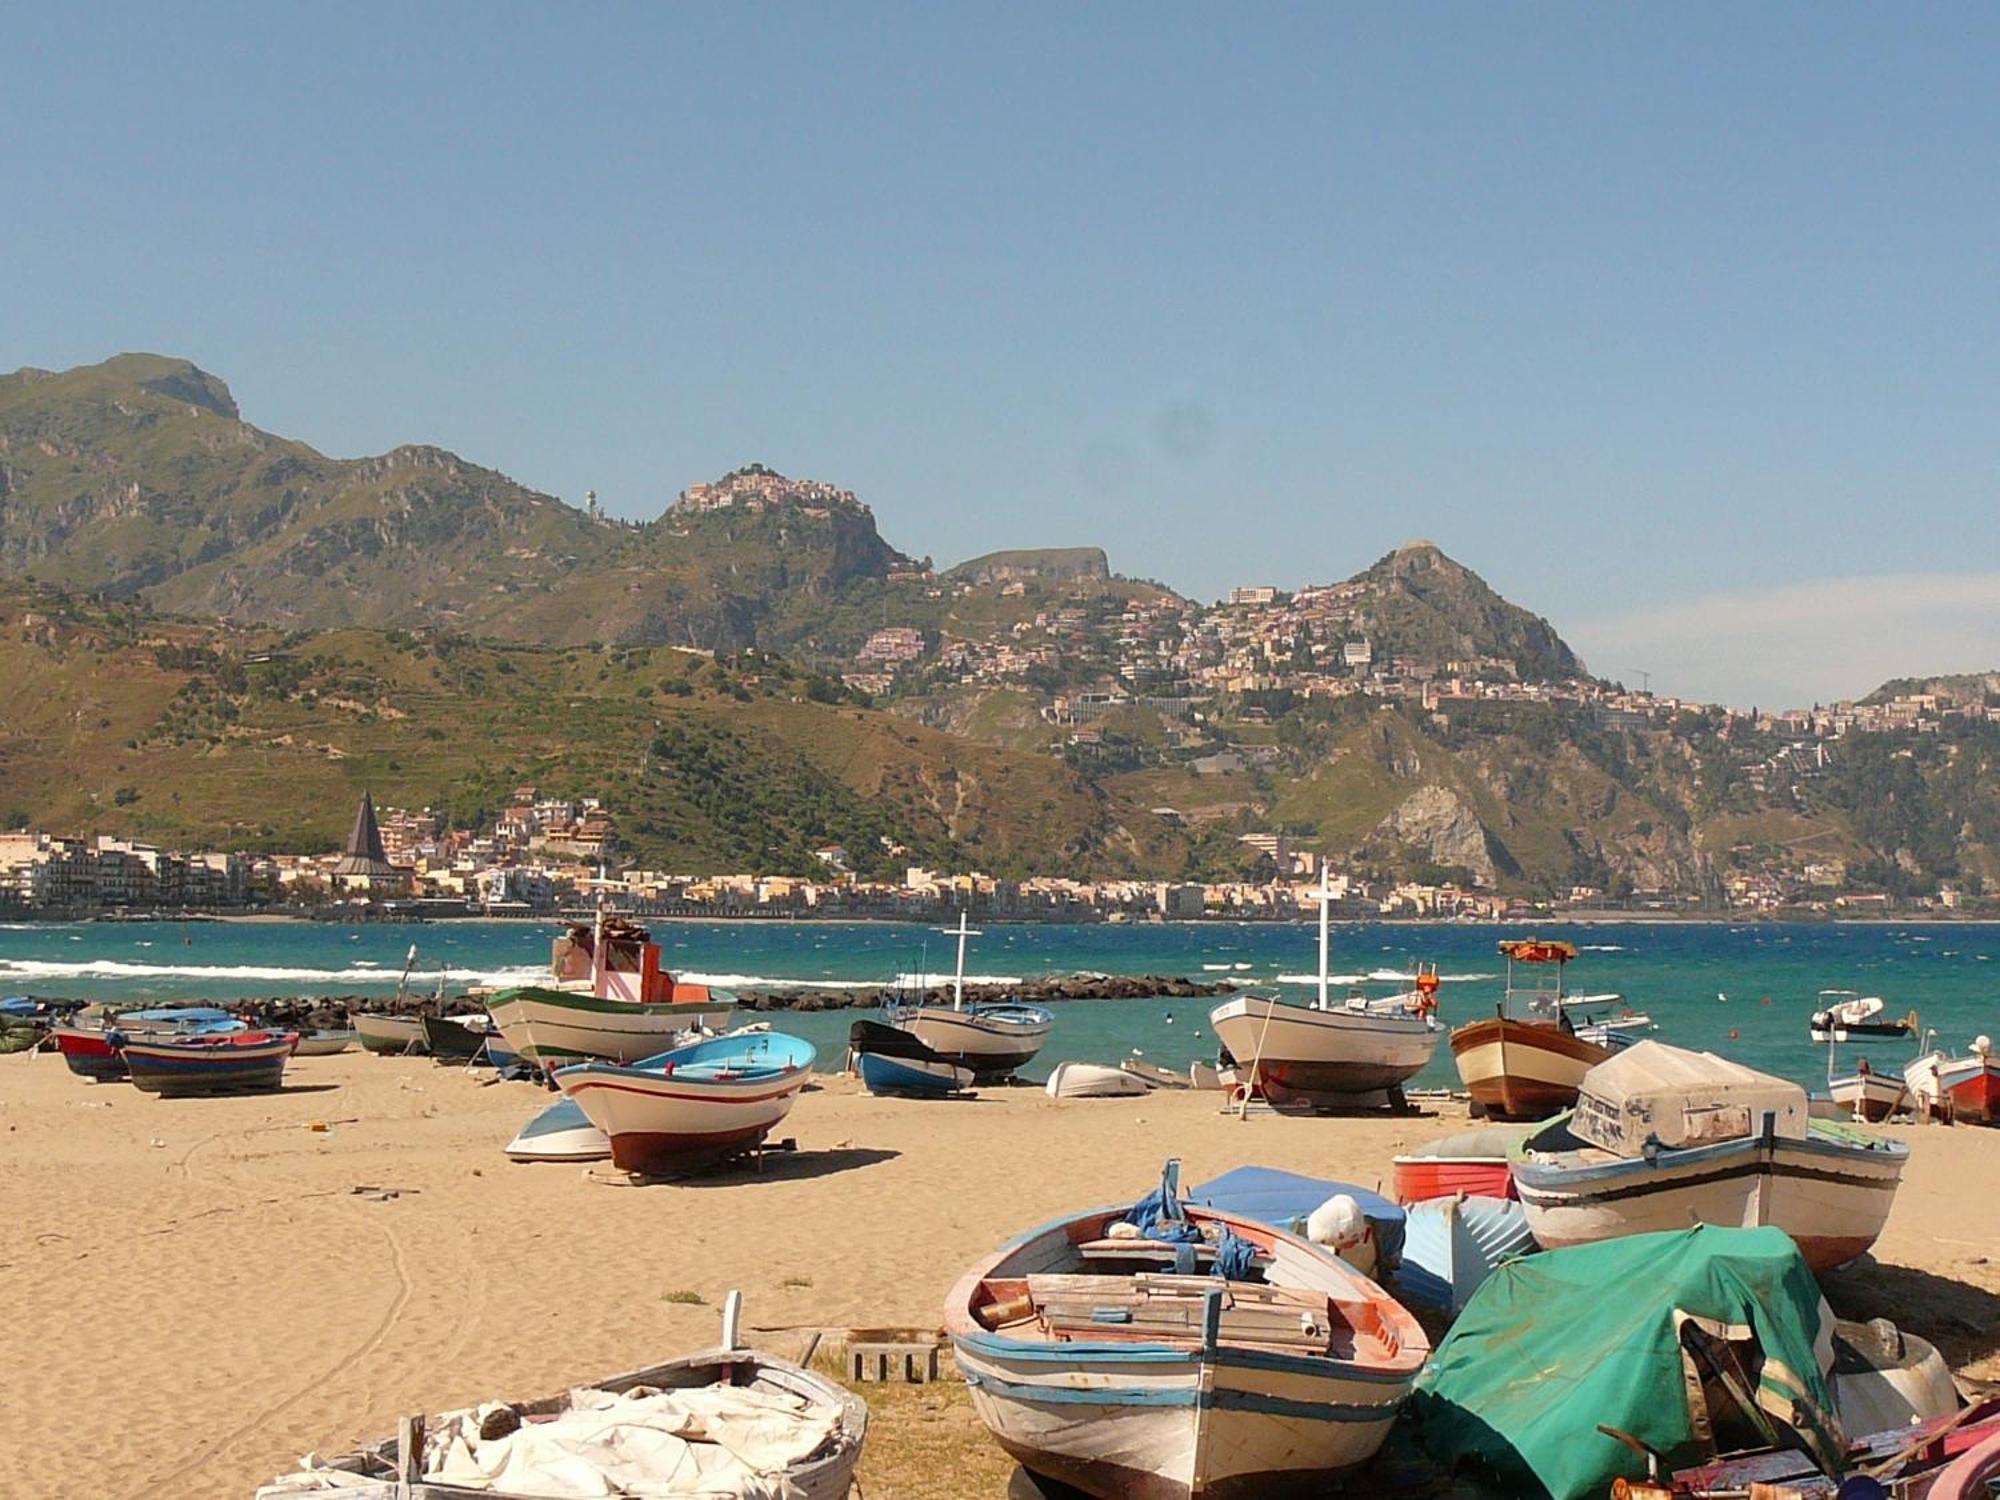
{"type": "Point", "coordinates": [1667, 1337]}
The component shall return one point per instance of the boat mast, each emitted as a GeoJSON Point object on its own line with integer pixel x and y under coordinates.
{"type": "Point", "coordinates": [958, 975]}
{"type": "Point", "coordinates": [1325, 905]}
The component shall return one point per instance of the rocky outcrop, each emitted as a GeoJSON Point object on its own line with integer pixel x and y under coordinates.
{"type": "Point", "coordinates": [1436, 821]}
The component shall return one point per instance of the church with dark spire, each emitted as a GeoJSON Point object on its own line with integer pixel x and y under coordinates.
{"type": "Point", "coordinates": [364, 864]}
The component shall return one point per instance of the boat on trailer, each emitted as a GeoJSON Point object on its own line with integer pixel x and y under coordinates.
{"type": "Point", "coordinates": [1526, 1061]}
{"type": "Point", "coordinates": [1122, 1363]}
{"type": "Point", "coordinates": [730, 1421]}
{"type": "Point", "coordinates": [1325, 1055]}
{"type": "Point", "coordinates": [610, 1000]}
{"type": "Point", "coordinates": [1663, 1137]}
{"type": "Point", "coordinates": [995, 1039]}
{"type": "Point", "coordinates": [695, 1105]}
{"type": "Point", "coordinates": [893, 1061]}
{"type": "Point", "coordinates": [236, 1062]}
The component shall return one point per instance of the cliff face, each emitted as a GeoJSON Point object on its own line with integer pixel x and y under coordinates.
{"type": "Point", "coordinates": [1420, 603]}
{"type": "Point", "coordinates": [1044, 564]}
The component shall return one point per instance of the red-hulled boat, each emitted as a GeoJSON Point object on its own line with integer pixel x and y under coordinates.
{"type": "Point", "coordinates": [1472, 1162]}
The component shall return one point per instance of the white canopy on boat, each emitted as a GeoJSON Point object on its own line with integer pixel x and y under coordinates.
{"type": "Point", "coordinates": [1654, 1092]}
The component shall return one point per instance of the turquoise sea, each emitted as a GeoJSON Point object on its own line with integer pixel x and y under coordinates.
{"type": "Point", "coordinates": [1742, 990]}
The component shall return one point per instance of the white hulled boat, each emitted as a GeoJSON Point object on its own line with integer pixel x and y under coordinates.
{"type": "Point", "coordinates": [610, 1000]}
{"type": "Point", "coordinates": [1844, 1016]}
{"type": "Point", "coordinates": [1325, 1055]}
{"type": "Point", "coordinates": [994, 1040]}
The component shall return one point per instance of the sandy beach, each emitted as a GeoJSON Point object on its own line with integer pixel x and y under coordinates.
{"type": "Point", "coordinates": [206, 1289]}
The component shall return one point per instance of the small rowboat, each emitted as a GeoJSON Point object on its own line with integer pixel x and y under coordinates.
{"type": "Point", "coordinates": [1153, 1074]}
{"type": "Point", "coordinates": [1082, 1080]}
{"type": "Point", "coordinates": [243, 1062]}
{"type": "Point", "coordinates": [735, 1422]}
{"type": "Point", "coordinates": [562, 1132]}
{"type": "Point", "coordinates": [87, 1048]}
{"type": "Point", "coordinates": [1096, 1366]}
{"type": "Point", "coordinates": [1451, 1245]}
{"type": "Point", "coordinates": [325, 1043]}
{"type": "Point", "coordinates": [694, 1105]}
{"type": "Point", "coordinates": [893, 1061]}
{"type": "Point", "coordinates": [388, 1036]}
{"type": "Point", "coordinates": [1473, 1162]}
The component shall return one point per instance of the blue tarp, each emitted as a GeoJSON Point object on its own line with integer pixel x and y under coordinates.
{"type": "Point", "coordinates": [1285, 1200]}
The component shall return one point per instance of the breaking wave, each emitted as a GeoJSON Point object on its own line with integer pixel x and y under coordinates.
{"type": "Point", "coordinates": [1380, 976]}
{"type": "Point", "coordinates": [112, 968]}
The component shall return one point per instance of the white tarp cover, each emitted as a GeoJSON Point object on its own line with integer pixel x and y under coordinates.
{"type": "Point", "coordinates": [1652, 1091]}
{"type": "Point", "coordinates": [709, 1441]}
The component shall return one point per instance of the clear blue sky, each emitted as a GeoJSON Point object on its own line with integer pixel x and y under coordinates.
{"type": "Point", "coordinates": [1663, 318]}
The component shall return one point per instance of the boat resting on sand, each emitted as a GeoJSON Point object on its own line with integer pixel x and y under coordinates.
{"type": "Point", "coordinates": [891, 1060]}
{"type": "Point", "coordinates": [995, 1039]}
{"type": "Point", "coordinates": [1963, 1090]}
{"type": "Point", "coordinates": [563, 1133]}
{"type": "Point", "coordinates": [1083, 1080]}
{"type": "Point", "coordinates": [1473, 1162]}
{"type": "Point", "coordinates": [1526, 1062]}
{"type": "Point", "coordinates": [695, 1105]}
{"type": "Point", "coordinates": [727, 1422]}
{"type": "Point", "coordinates": [1096, 1364]}
{"type": "Point", "coordinates": [1152, 1074]}
{"type": "Point", "coordinates": [610, 1000]}
{"type": "Point", "coordinates": [325, 1043]}
{"type": "Point", "coordinates": [236, 1062]}
{"type": "Point", "coordinates": [1662, 1138]}
{"type": "Point", "coordinates": [386, 1035]}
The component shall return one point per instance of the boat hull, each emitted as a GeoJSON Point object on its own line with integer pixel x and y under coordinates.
{"type": "Point", "coordinates": [89, 1054]}
{"type": "Point", "coordinates": [560, 1133]}
{"type": "Point", "coordinates": [556, 1027]}
{"type": "Point", "coordinates": [1871, 1096]}
{"type": "Point", "coordinates": [664, 1118]}
{"type": "Point", "coordinates": [1075, 1080]}
{"type": "Point", "coordinates": [324, 1043]}
{"type": "Point", "coordinates": [911, 1076]}
{"type": "Point", "coordinates": [1522, 1070]}
{"type": "Point", "coordinates": [1307, 1058]}
{"type": "Point", "coordinates": [992, 1045]}
{"type": "Point", "coordinates": [1451, 1245]}
{"type": "Point", "coordinates": [1419, 1179]}
{"type": "Point", "coordinates": [1831, 1197]}
{"type": "Point", "coordinates": [1971, 1089]}
{"type": "Point", "coordinates": [233, 1065]}
{"type": "Point", "coordinates": [388, 1036]}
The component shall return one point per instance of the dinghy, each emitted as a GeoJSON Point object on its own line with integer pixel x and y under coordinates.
{"type": "Point", "coordinates": [239, 1062]}
{"type": "Point", "coordinates": [726, 1423]}
{"type": "Point", "coordinates": [562, 1132]}
{"type": "Point", "coordinates": [1866, 1094]}
{"type": "Point", "coordinates": [325, 1042]}
{"type": "Point", "coordinates": [1357, 1053]}
{"type": "Point", "coordinates": [891, 1060]}
{"type": "Point", "coordinates": [1152, 1074]}
{"type": "Point", "coordinates": [994, 1040]}
{"type": "Point", "coordinates": [610, 1001]}
{"type": "Point", "coordinates": [1526, 1061]}
{"type": "Point", "coordinates": [386, 1035]}
{"type": "Point", "coordinates": [1082, 1080]}
{"type": "Point", "coordinates": [1097, 1364]}
{"type": "Point", "coordinates": [1473, 1162]}
{"type": "Point", "coordinates": [1451, 1245]}
{"type": "Point", "coordinates": [695, 1105]}
{"type": "Point", "coordinates": [1663, 1137]}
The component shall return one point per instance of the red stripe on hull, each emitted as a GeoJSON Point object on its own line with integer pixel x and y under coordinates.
{"type": "Point", "coordinates": [1977, 1100]}
{"type": "Point", "coordinates": [1416, 1181]}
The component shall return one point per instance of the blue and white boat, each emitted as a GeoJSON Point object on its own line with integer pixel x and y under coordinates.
{"type": "Point", "coordinates": [893, 1061]}
{"type": "Point", "coordinates": [1128, 1364]}
{"type": "Point", "coordinates": [995, 1040]}
{"type": "Point", "coordinates": [562, 1132]}
{"type": "Point", "coordinates": [222, 1062]}
{"type": "Point", "coordinates": [1451, 1245]}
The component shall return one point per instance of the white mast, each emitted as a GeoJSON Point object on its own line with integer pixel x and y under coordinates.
{"type": "Point", "coordinates": [961, 932]}
{"type": "Point", "coordinates": [1325, 905]}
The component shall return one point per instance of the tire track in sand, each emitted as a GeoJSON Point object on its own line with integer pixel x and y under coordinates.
{"type": "Point", "coordinates": [215, 1448]}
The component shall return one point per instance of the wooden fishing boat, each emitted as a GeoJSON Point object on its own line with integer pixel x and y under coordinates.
{"type": "Point", "coordinates": [695, 1105]}
{"type": "Point", "coordinates": [1325, 1055]}
{"type": "Point", "coordinates": [1970, 1476]}
{"type": "Point", "coordinates": [1525, 1062]}
{"type": "Point", "coordinates": [1093, 1366]}
{"type": "Point", "coordinates": [388, 1036]}
{"type": "Point", "coordinates": [325, 1042]}
{"type": "Point", "coordinates": [1964, 1090]}
{"type": "Point", "coordinates": [88, 1053]}
{"type": "Point", "coordinates": [561, 1133]}
{"type": "Point", "coordinates": [994, 1039]}
{"type": "Point", "coordinates": [1153, 1075]}
{"type": "Point", "coordinates": [1866, 1094]}
{"type": "Point", "coordinates": [1473, 1162]}
{"type": "Point", "coordinates": [610, 1000]}
{"type": "Point", "coordinates": [86, 1041]}
{"type": "Point", "coordinates": [1664, 1138]}
{"type": "Point", "coordinates": [1451, 1245]}
{"type": "Point", "coordinates": [893, 1061]}
{"type": "Point", "coordinates": [457, 1039]}
{"type": "Point", "coordinates": [754, 1427]}
{"type": "Point", "coordinates": [1356, 1223]}
{"type": "Point", "coordinates": [239, 1062]}
{"type": "Point", "coordinates": [1082, 1080]}
{"type": "Point", "coordinates": [1949, 1456]}
{"type": "Point", "coordinates": [1209, 1076]}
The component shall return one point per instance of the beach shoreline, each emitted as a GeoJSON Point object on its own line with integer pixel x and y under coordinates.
{"type": "Point", "coordinates": [242, 1287]}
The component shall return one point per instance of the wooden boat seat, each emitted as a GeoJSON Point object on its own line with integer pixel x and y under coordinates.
{"type": "Point", "coordinates": [1154, 1307]}
{"type": "Point", "coordinates": [1149, 1252]}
